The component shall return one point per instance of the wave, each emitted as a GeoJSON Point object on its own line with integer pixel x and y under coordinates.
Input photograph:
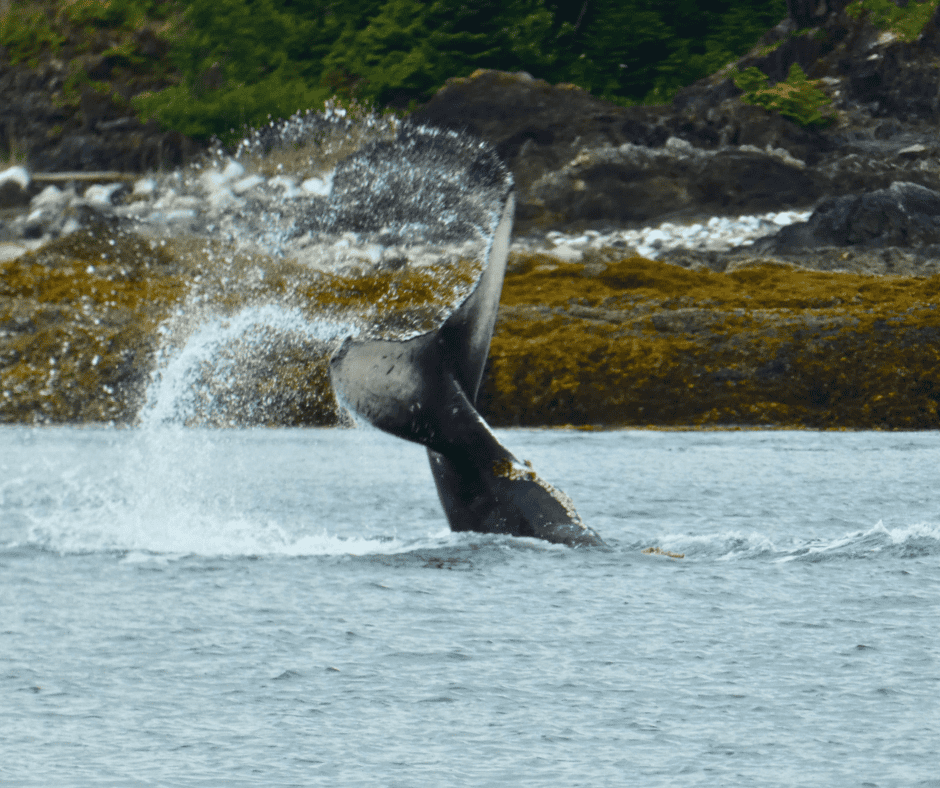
{"type": "Point", "coordinates": [151, 539]}
{"type": "Point", "coordinates": [164, 494]}
{"type": "Point", "coordinates": [910, 541]}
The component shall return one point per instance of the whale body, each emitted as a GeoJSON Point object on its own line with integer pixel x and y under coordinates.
{"type": "Point", "coordinates": [423, 388]}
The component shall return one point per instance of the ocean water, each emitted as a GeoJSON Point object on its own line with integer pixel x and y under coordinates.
{"type": "Point", "coordinates": [287, 607]}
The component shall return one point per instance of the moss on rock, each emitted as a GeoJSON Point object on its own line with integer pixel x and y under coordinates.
{"type": "Point", "coordinates": [647, 343]}
{"type": "Point", "coordinates": [78, 327]}
{"type": "Point", "coordinates": [613, 341]}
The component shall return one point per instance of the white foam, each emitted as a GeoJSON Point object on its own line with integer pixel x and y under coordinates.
{"type": "Point", "coordinates": [321, 186]}
{"type": "Point", "coordinates": [740, 545]}
{"type": "Point", "coordinates": [169, 499]}
{"type": "Point", "coordinates": [169, 523]}
{"type": "Point", "coordinates": [101, 194]}
{"type": "Point", "coordinates": [145, 187]}
{"type": "Point", "coordinates": [178, 388]}
{"type": "Point", "coordinates": [247, 183]}
{"type": "Point", "coordinates": [720, 234]}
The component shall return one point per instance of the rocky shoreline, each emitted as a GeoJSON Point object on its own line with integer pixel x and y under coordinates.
{"type": "Point", "coordinates": [704, 263]}
{"type": "Point", "coordinates": [772, 331]}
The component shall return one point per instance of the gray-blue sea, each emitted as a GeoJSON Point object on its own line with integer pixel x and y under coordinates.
{"type": "Point", "coordinates": [288, 608]}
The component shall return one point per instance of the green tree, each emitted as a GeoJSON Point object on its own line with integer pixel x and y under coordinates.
{"type": "Point", "coordinates": [612, 48]}
{"type": "Point", "coordinates": [409, 48]}
{"type": "Point", "coordinates": [244, 60]}
{"type": "Point", "coordinates": [707, 39]}
{"type": "Point", "coordinates": [236, 59]}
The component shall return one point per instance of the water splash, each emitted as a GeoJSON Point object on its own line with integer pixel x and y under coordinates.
{"type": "Point", "coordinates": [221, 369]}
{"type": "Point", "coordinates": [322, 227]}
{"type": "Point", "coordinates": [173, 492]}
{"type": "Point", "coordinates": [909, 541]}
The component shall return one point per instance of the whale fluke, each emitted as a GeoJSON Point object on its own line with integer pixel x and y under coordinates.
{"type": "Point", "coordinates": [423, 389]}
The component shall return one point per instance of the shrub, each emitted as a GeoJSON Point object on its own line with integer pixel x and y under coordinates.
{"type": "Point", "coordinates": [797, 97]}
{"type": "Point", "coordinates": [906, 23]}
{"type": "Point", "coordinates": [26, 32]}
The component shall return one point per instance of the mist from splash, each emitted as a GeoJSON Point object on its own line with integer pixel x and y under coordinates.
{"type": "Point", "coordinates": [315, 229]}
{"type": "Point", "coordinates": [201, 382]}
{"type": "Point", "coordinates": [167, 494]}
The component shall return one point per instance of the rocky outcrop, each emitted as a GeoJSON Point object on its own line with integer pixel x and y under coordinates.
{"type": "Point", "coordinates": [871, 73]}
{"type": "Point", "coordinates": [578, 159]}
{"type": "Point", "coordinates": [651, 344]}
{"type": "Point", "coordinates": [633, 183]}
{"type": "Point", "coordinates": [99, 133]}
{"type": "Point", "coordinates": [69, 106]}
{"type": "Point", "coordinates": [581, 160]}
{"type": "Point", "coordinates": [903, 215]}
{"type": "Point", "coordinates": [611, 341]}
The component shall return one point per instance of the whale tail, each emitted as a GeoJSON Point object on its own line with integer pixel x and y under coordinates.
{"type": "Point", "coordinates": [422, 389]}
{"type": "Point", "coordinates": [409, 389]}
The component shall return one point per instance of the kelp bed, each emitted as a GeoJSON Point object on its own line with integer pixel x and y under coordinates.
{"type": "Point", "coordinates": [611, 342]}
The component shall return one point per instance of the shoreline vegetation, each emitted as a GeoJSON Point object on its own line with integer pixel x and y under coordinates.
{"type": "Point", "coordinates": [613, 341]}
{"type": "Point", "coordinates": [212, 67]}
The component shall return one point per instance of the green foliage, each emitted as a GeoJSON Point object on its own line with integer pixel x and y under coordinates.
{"type": "Point", "coordinates": [409, 48]}
{"type": "Point", "coordinates": [30, 29]}
{"type": "Point", "coordinates": [709, 40]}
{"type": "Point", "coordinates": [225, 113]}
{"type": "Point", "coordinates": [797, 97]}
{"type": "Point", "coordinates": [26, 32]}
{"type": "Point", "coordinates": [235, 58]}
{"type": "Point", "coordinates": [397, 54]}
{"type": "Point", "coordinates": [906, 23]}
{"type": "Point", "coordinates": [247, 60]}
{"type": "Point", "coordinates": [239, 61]}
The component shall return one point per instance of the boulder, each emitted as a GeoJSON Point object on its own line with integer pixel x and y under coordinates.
{"type": "Point", "coordinates": [538, 128]}
{"type": "Point", "coordinates": [632, 183]}
{"type": "Point", "coordinates": [14, 187]}
{"type": "Point", "coordinates": [557, 139]}
{"type": "Point", "coordinates": [578, 159]}
{"type": "Point", "coordinates": [903, 215]}
{"type": "Point", "coordinates": [534, 126]}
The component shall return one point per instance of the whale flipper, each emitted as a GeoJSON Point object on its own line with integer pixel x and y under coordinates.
{"type": "Point", "coordinates": [423, 389]}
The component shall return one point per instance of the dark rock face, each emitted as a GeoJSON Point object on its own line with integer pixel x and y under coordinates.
{"type": "Point", "coordinates": [100, 134]}
{"type": "Point", "coordinates": [809, 13]}
{"type": "Point", "coordinates": [561, 142]}
{"type": "Point", "coordinates": [637, 184]}
{"type": "Point", "coordinates": [579, 159]}
{"type": "Point", "coordinates": [535, 127]}
{"type": "Point", "coordinates": [903, 215]}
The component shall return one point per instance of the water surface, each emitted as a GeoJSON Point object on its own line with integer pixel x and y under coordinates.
{"type": "Point", "coordinates": [288, 607]}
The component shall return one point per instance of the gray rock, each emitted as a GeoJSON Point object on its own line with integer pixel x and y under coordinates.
{"type": "Point", "coordinates": [633, 183]}
{"type": "Point", "coordinates": [12, 194]}
{"type": "Point", "coordinates": [903, 215]}
{"type": "Point", "coordinates": [920, 261]}
{"type": "Point", "coordinates": [541, 130]}
{"type": "Point", "coordinates": [14, 187]}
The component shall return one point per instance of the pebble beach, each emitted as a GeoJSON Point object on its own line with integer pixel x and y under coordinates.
{"type": "Point", "coordinates": [163, 202]}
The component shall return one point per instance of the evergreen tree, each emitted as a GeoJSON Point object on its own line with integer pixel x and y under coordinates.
{"type": "Point", "coordinates": [244, 60]}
